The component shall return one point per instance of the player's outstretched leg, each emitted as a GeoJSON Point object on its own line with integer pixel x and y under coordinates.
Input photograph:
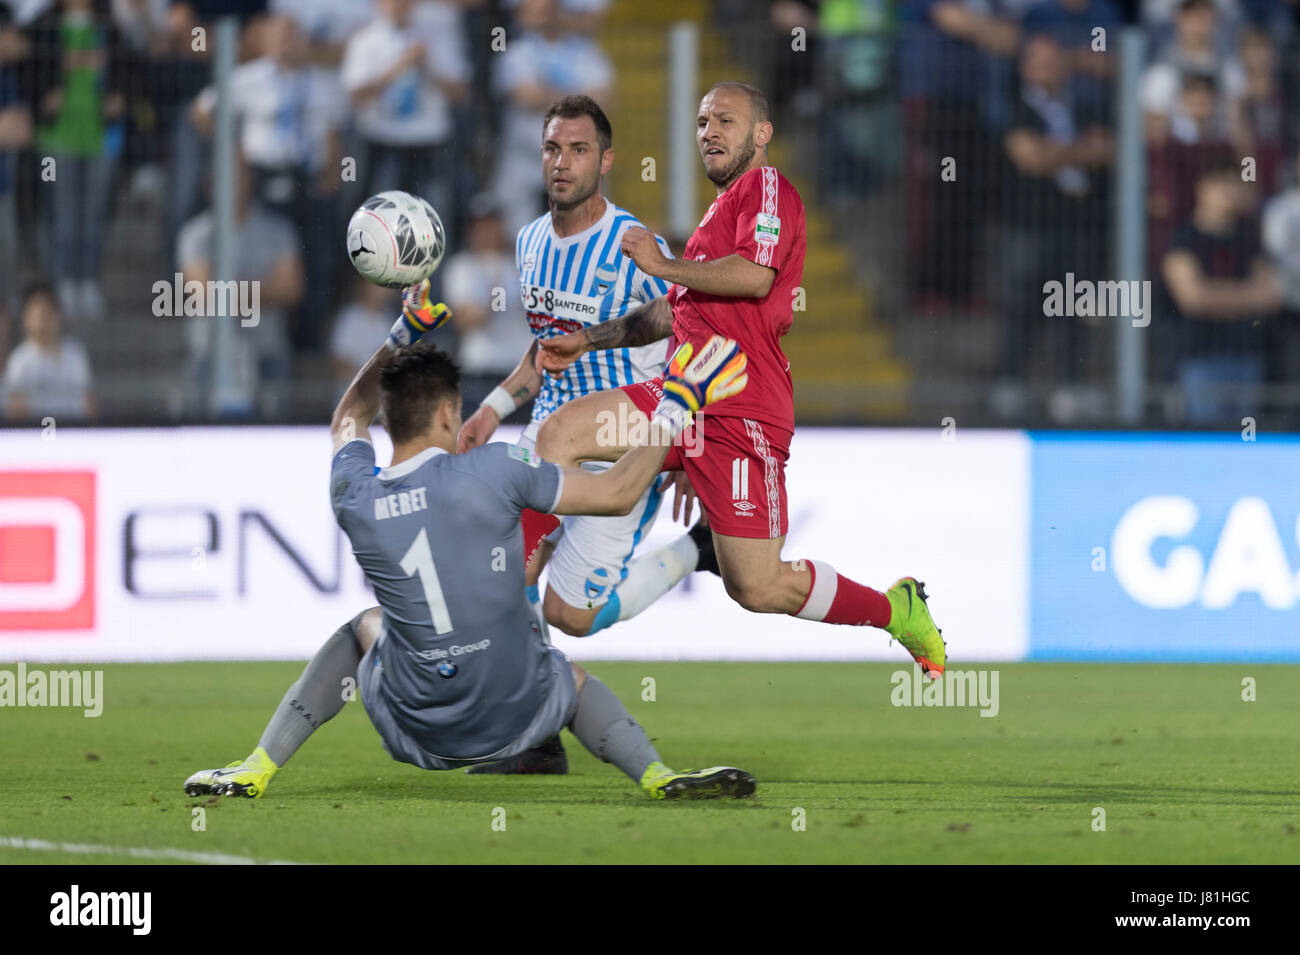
{"type": "Point", "coordinates": [316, 698]}
{"type": "Point", "coordinates": [645, 580]}
{"type": "Point", "coordinates": [581, 431]}
{"type": "Point", "coordinates": [653, 574]}
{"type": "Point", "coordinates": [605, 727]}
{"type": "Point", "coordinates": [758, 580]}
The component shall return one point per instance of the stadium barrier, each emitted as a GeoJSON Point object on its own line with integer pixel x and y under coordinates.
{"type": "Point", "coordinates": [218, 543]}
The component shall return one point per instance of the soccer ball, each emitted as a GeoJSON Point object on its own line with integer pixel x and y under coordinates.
{"type": "Point", "coordinates": [395, 239]}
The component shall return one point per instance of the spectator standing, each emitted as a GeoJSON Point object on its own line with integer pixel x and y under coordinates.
{"type": "Point", "coordinates": [1078, 25]}
{"type": "Point", "coordinates": [1176, 162]}
{"type": "Point", "coordinates": [327, 25]}
{"type": "Point", "coordinates": [77, 80]}
{"type": "Point", "coordinates": [1054, 211]}
{"type": "Point", "coordinates": [288, 122]}
{"type": "Point", "coordinates": [266, 251]}
{"type": "Point", "coordinates": [15, 135]}
{"type": "Point", "coordinates": [290, 117]}
{"type": "Point", "coordinates": [403, 72]}
{"type": "Point", "coordinates": [47, 374]}
{"type": "Point", "coordinates": [1195, 50]}
{"type": "Point", "coordinates": [1220, 292]}
{"type": "Point", "coordinates": [1263, 110]}
{"type": "Point", "coordinates": [950, 53]}
{"type": "Point", "coordinates": [544, 62]}
{"type": "Point", "coordinates": [179, 68]}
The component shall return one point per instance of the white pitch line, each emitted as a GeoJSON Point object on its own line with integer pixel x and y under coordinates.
{"type": "Point", "coordinates": [135, 852]}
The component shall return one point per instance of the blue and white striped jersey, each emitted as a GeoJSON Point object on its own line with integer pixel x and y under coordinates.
{"type": "Point", "coordinates": [585, 279]}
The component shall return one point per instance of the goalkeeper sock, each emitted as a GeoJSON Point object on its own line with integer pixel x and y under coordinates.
{"type": "Point", "coordinates": [834, 598]}
{"type": "Point", "coordinates": [317, 696]}
{"type": "Point", "coordinates": [603, 725]}
{"type": "Point", "coordinates": [648, 578]}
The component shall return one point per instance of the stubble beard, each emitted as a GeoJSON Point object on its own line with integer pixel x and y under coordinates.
{"type": "Point", "coordinates": [733, 171]}
{"type": "Point", "coordinates": [569, 205]}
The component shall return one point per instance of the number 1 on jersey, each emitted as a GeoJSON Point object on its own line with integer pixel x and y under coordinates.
{"type": "Point", "coordinates": [419, 560]}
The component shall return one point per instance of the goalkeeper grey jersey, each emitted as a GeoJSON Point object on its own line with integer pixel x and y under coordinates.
{"type": "Point", "coordinates": [464, 665]}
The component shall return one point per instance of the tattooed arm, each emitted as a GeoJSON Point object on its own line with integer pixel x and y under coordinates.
{"type": "Point", "coordinates": [518, 387]}
{"type": "Point", "coordinates": [641, 326]}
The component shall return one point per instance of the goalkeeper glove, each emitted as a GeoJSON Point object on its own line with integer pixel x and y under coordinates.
{"type": "Point", "coordinates": [419, 316]}
{"type": "Point", "coordinates": [693, 381]}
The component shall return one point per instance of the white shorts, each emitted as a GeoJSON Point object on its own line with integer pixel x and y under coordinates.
{"type": "Point", "coordinates": [592, 553]}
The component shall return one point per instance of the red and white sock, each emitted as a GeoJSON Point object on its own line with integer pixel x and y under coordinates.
{"type": "Point", "coordinates": [834, 598]}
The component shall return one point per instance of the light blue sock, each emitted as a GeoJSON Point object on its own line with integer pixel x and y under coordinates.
{"type": "Point", "coordinates": [608, 614]}
{"type": "Point", "coordinates": [648, 578]}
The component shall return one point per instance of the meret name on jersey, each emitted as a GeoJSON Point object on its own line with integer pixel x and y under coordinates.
{"type": "Point", "coordinates": [585, 279]}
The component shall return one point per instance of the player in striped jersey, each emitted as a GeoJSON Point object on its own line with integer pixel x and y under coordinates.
{"type": "Point", "coordinates": [572, 274]}
{"type": "Point", "coordinates": [738, 276]}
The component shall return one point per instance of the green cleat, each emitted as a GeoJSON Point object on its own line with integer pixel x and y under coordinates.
{"type": "Point", "coordinates": [911, 625]}
{"type": "Point", "coordinates": [660, 782]}
{"type": "Point", "coordinates": [247, 777]}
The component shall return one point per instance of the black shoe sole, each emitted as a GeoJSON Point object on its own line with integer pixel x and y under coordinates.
{"type": "Point", "coordinates": [526, 764]}
{"type": "Point", "coordinates": [225, 789]}
{"type": "Point", "coordinates": [727, 782]}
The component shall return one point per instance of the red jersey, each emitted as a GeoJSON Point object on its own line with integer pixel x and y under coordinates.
{"type": "Point", "coordinates": [760, 216]}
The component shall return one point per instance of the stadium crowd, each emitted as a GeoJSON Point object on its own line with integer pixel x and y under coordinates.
{"type": "Point", "coordinates": [336, 99]}
{"type": "Point", "coordinates": [1019, 96]}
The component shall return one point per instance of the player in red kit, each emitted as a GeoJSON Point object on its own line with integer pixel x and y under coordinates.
{"type": "Point", "coordinates": [737, 277]}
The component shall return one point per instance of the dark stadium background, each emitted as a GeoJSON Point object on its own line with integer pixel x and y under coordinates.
{"type": "Point", "coordinates": [924, 295]}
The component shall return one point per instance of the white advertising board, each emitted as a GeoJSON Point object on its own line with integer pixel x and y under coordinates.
{"type": "Point", "coordinates": [218, 543]}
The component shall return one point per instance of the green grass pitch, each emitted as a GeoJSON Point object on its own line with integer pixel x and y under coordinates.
{"type": "Point", "coordinates": [1184, 769]}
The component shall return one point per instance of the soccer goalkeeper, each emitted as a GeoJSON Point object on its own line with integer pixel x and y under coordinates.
{"type": "Point", "coordinates": [451, 666]}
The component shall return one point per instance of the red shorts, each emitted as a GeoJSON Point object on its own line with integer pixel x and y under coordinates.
{"type": "Point", "coordinates": [736, 465]}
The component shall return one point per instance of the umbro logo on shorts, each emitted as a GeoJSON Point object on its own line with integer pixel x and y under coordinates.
{"type": "Point", "coordinates": [740, 487]}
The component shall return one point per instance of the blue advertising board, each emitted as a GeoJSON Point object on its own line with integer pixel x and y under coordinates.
{"type": "Point", "coordinates": [1164, 547]}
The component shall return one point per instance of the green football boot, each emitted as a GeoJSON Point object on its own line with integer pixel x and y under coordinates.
{"type": "Point", "coordinates": [911, 625]}
{"type": "Point", "coordinates": [660, 782]}
{"type": "Point", "coordinates": [247, 777]}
